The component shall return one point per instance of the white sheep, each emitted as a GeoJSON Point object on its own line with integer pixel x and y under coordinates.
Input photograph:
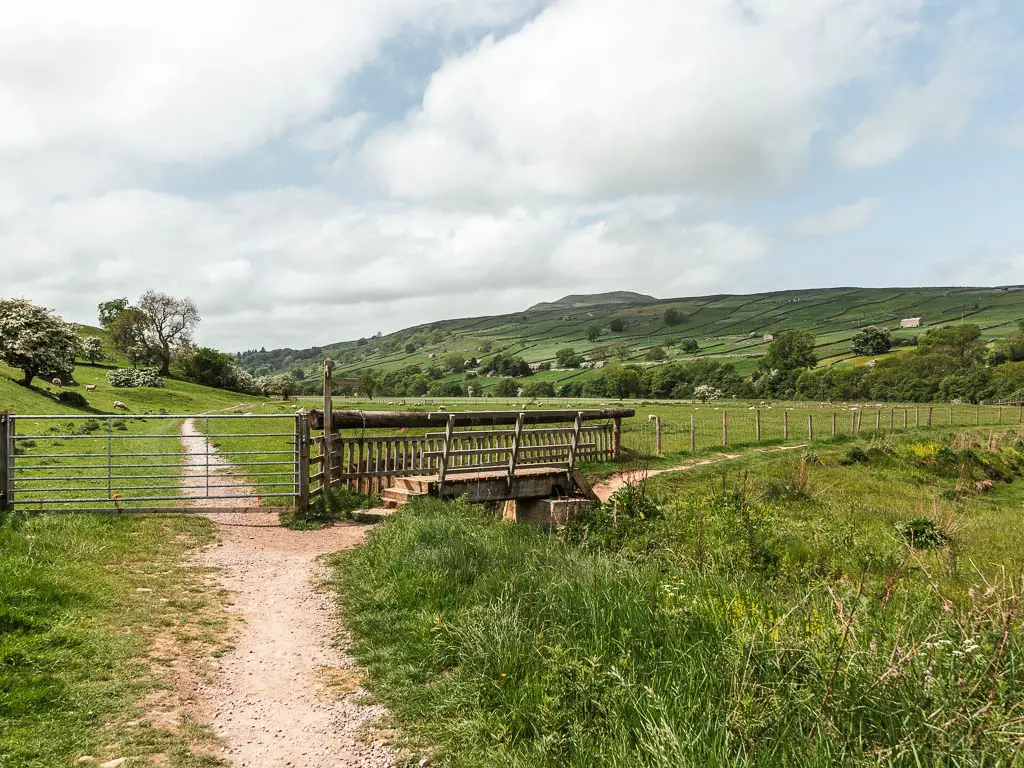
{"type": "Point", "coordinates": [120, 406]}
{"type": "Point", "coordinates": [90, 387]}
{"type": "Point", "coordinates": [57, 382]}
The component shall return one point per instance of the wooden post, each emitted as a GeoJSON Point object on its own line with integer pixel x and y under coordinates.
{"type": "Point", "coordinates": [977, 414]}
{"type": "Point", "coordinates": [892, 418]}
{"type": "Point", "coordinates": [785, 425]}
{"type": "Point", "coordinates": [1000, 421]}
{"type": "Point", "coordinates": [878, 419]}
{"type": "Point", "coordinates": [904, 418]}
{"type": "Point", "coordinates": [951, 415]}
{"type": "Point", "coordinates": [657, 432]}
{"type": "Point", "coordinates": [757, 426]}
{"type": "Point", "coordinates": [616, 437]}
{"type": "Point", "coordinates": [1020, 413]}
{"type": "Point", "coordinates": [693, 433]}
{"type": "Point", "coordinates": [725, 427]}
{"type": "Point", "coordinates": [853, 423]}
{"type": "Point", "coordinates": [833, 423]}
{"type": "Point", "coordinates": [6, 457]}
{"type": "Point", "coordinates": [302, 461]}
{"type": "Point", "coordinates": [514, 455]}
{"type": "Point", "coordinates": [443, 469]}
{"type": "Point", "coordinates": [328, 466]}
{"type": "Point", "coordinates": [575, 445]}
{"type": "Point", "coordinates": [810, 427]}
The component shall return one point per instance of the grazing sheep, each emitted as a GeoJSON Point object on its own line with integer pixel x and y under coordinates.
{"type": "Point", "coordinates": [441, 408]}
{"type": "Point", "coordinates": [118, 405]}
{"type": "Point", "coordinates": [90, 387]}
{"type": "Point", "coordinates": [57, 382]}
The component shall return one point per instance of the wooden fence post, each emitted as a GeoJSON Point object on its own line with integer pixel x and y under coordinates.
{"type": "Point", "coordinates": [328, 466]}
{"type": "Point", "coordinates": [616, 437]}
{"type": "Point", "coordinates": [785, 425]}
{"type": "Point", "coordinates": [853, 423]}
{"type": "Point", "coordinates": [917, 417]}
{"type": "Point", "coordinates": [725, 427]}
{"type": "Point", "coordinates": [302, 461]}
{"type": "Point", "coordinates": [977, 414]}
{"type": "Point", "coordinates": [904, 418]}
{"type": "Point", "coordinates": [693, 433]}
{"type": "Point", "coordinates": [757, 426]}
{"type": "Point", "coordinates": [878, 419]}
{"type": "Point", "coordinates": [951, 415]}
{"type": "Point", "coordinates": [1000, 420]}
{"type": "Point", "coordinates": [892, 418]}
{"type": "Point", "coordinates": [6, 470]}
{"type": "Point", "coordinates": [833, 423]}
{"type": "Point", "coordinates": [810, 427]}
{"type": "Point", "coordinates": [657, 431]}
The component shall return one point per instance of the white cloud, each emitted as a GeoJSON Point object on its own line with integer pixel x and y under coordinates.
{"type": "Point", "coordinates": [840, 220]}
{"type": "Point", "coordinates": [114, 85]}
{"type": "Point", "coordinates": [295, 267]}
{"type": "Point", "coordinates": [937, 109]}
{"type": "Point", "coordinates": [616, 97]}
{"type": "Point", "coordinates": [336, 134]}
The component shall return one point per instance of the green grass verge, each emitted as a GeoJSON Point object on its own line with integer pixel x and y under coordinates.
{"type": "Point", "coordinates": [78, 641]}
{"type": "Point", "coordinates": [771, 613]}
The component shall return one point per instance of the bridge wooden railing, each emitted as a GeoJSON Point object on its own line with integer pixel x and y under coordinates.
{"type": "Point", "coordinates": [488, 441]}
{"type": "Point", "coordinates": [370, 464]}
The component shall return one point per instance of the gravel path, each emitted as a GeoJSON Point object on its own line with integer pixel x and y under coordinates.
{"type": "Point", "coordinates": [285, 695]}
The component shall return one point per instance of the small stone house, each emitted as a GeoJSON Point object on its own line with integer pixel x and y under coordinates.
{"type": "Point", "coordinates": [910, 322]}
{"type": "Point", "coordinates": [769, 337]}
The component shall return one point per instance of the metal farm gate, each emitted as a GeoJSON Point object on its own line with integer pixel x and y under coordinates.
{"type": "Point", "coordinates": [148, 462]}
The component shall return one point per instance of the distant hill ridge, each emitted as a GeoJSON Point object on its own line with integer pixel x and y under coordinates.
{"type": "Point", "coordinates": [578, 300]}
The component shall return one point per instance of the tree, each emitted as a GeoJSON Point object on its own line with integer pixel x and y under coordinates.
{"type": "Point", "coordinates": [567, 357]}
{"type": "Point", "coordinates": [1010, 348]}
{"type": "Point", "coordinates": [212, 368]}
{"type": "Point", "coordinates": [617, 325]}
{"type": "Point", "coordinates": [507, 388]}
{"type": "Point", "coordinates": [672, 316]}
{"type": "Point", "coordinates": [791, 351]}
{"type": "Point", "coordinates": [128, 331]}
{"type": "Point", "coordinates": [872, 340]}
{"type": "Point", "coordinates": [690, 346]}
{"type": "Point", "coordinates": [170, 322]}
{"type": "Point", "coordinates": [298, 374]}
{"type": "Point", "coordinates": [35, 340]}
{"type": "Point", "coordinates": [539, 389]}
{"type": "Point", "coordinates": [455, 362]}
{"type": "Point", "coordinates": [706, 392]}
{"type": "Point", "coordinates": [656, 353]}
{"type": "Point", "coordinates": [410, 347]}
{"type": "Point", "coordinates": [92, 349]}
{"type": "Point", "coordinates": [109, 311]}
{"type": "Point", "coordinates": [369, 384]}
{"type": "Point", "coordinates": [961, 342]}
{"type": "Point", "coordinates": [593, 332]}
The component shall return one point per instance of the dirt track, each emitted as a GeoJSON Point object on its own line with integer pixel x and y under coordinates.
{"type": "Point", "coordinates": [606, 488]}
{"type": "Point", "coordinates": [285, 695]}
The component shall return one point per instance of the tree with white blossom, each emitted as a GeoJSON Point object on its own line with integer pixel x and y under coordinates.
{"type": "Point", "coordinates": [35, 340]}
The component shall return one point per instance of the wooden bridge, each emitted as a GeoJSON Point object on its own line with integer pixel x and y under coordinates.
{"type": "Point", "coordinates": [526, 457]}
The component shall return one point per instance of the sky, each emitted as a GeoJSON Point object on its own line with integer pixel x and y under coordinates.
{"type": "Point", "coordinates": [315, 171]}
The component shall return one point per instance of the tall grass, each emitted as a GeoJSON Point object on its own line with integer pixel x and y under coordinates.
{"type": "Point", "coordinates": [719, 633]}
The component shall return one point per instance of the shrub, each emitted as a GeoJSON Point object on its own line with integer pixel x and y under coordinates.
{"type": "Point", "coordinates": [124, 378]}
{"type": "Point", "coordinates": [855, 455]}
{"type": "Point", "coordinates": [923, 533]}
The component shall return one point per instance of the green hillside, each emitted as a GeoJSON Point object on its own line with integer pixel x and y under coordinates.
{"type": "Point", "coordinates": [726, 327]}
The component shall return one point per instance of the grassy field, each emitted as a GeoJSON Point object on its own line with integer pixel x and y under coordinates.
{"type": "Point", "coordinates": [84, 603]}
{"type": "Point", "coordinates": [857, 604]}
{"type": "Point", "coordinates": [727, 327]}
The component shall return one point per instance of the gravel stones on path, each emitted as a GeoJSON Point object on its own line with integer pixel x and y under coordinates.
{"type": "Point", "coordinates": [286, 695]}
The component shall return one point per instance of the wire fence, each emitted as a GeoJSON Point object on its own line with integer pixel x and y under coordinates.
{"type": "Point", "coordinates": [709, 427]}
